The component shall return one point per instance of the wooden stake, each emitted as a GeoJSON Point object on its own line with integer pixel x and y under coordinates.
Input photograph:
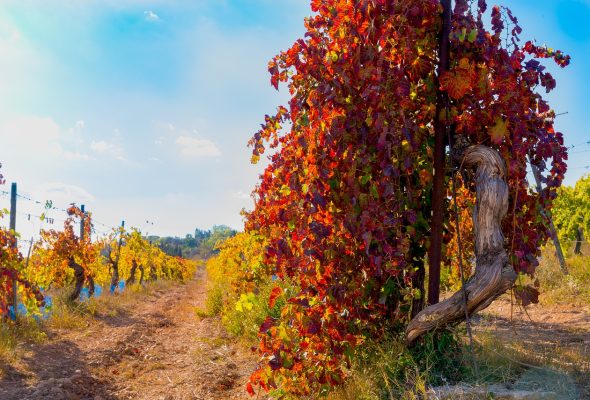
{"type": "Point", "coordinates": [13, 231]}
{"type": "Point", "coordinates": [115, 275]}
{"type": "Point", "coordinates": [438, 188]}
{"type": "Point", "coordinates": [552, 230]}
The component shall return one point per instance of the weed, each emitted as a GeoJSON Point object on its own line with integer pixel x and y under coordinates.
{"type": "Point", "coordinates": [387, 369]}
{"type": "Point", "coordinates": [26, 329]}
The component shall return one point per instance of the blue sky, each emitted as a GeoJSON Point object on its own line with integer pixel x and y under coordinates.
{"type": "Point", "coordinates": [142, 109]}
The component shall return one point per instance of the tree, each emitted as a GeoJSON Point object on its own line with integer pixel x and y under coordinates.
{"type": "Point", "coordinates": [345, 202]}
{"type": "Point", "coordinates": [571, 213]}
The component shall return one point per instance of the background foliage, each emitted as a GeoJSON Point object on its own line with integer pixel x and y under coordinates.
{"type": "Point", "coordinates": [572, 211]}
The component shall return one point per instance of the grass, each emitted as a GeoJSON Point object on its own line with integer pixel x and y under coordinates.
{"type": "Point", "coordinates": [23, 330]}
{"type": "Point", "coordinates": [387, 369]}
{"type": "Point", "coordinates": [557, 288]}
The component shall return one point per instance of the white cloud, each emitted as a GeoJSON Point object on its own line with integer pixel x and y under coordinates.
{"type": "Point", "coordinates": [37, 146]}
{"type": "Point", "coordinates": [34, 136]}
{"type": "Point", "coordinates": [191, 147]}
{"type": "Point", "coordinates": [63, 193]}
{"type": "Point", "coordinates": [80, 124]}
{"type": "Point", "coordinates": [75, 156]}
{"type": "Point", "coordinates": [241, 195]}
{"type": "Point", "coordinates": [151, 16]}
{"type": "Point", "coordinates": [108, 148]}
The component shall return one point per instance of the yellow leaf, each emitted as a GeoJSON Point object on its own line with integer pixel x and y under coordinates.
{"type": "Point", "coordinates": [499, 130]}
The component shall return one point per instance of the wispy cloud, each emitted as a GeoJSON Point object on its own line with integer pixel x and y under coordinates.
{"type": "Point", "coordinates": [108, 148]}
{"type": "Point", "coordinates": [62, 193]}
{"type": "Point", "coordinates": [192, 147]}
{"type": "Point", "coordinates": [151, 16]}
{"type": "Point", "coordinates": [75, 156]}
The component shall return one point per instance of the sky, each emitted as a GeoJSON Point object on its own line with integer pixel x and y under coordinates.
{"type": "Point", "coordinates": [142, 110]}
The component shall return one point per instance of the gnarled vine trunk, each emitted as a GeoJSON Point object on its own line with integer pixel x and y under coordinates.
{"type": "Point", "coordinates": [141, 274]}
{"type": "Point", "coordinates": [493, 274]}
{"type": "Point", "coordinates": [115, 275]}
{"type": "Point", "coordinates": [91, 288]}
{"type": "Point", "coordinates": [579, 239]}
{"type": "Point", "coordinates": [79, 276]}
{"type": "Point", "coordinates": [131, 279]}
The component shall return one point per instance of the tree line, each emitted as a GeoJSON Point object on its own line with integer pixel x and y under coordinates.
{"type": "Point", "coordinates": [202, 244]}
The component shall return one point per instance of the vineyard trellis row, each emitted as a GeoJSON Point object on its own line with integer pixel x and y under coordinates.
{"type": "Point", "coordinates": [69, 256]}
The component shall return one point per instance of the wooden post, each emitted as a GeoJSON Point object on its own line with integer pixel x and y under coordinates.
{"type": "Point", "coordinates": [115, 275]}
{"type": "Point", "coordinates": [82, 223]}
{"type": "Point", "coordinates": [438, 188]}
{"type": "Point", "coordinates": [120, 241]}
{"type": "Point", "coordinates": [552, 230]}
{"type": "Point", "coordinates": [14, 244]}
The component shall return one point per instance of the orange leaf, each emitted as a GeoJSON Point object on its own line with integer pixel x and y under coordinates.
{"type": "Point", "coordinates": [276, 292]}
{"type": "Point", "coordinates": [459, 80]}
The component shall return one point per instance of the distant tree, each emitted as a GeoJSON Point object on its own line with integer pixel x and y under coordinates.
{"type": "Point", "coordinates": [571, 212]}
{"type": "Point", "coordinates": [217, 235]}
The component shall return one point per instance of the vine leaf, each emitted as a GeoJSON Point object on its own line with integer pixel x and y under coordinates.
{"type": "Point", "coordinates": [459, 80]}
{"type": "Point", "coordinates": [499, 130]}
{"type": "Point", "coordinates": [527, 295]}
{"type": "Point", "coordinates": [274, 294]}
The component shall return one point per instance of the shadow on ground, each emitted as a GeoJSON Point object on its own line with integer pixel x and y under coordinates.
{"type": "Point", "coordinates": [56, 371]}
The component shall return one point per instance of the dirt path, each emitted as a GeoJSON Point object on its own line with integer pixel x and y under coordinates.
{"type": "Point", "coordinates": [159, 349]}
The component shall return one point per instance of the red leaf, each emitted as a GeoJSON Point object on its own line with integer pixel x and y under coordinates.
{"type": "Point", "coordinates": [267, 324]}
{"type": "Point", "coordinates": [250, 389]}
{"type": "Point", "coordinates": [276, 292]}
{"type": "Point", "coordinates": [527, 295]}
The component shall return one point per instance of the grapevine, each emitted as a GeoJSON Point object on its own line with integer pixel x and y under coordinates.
{"type": "Point", "coordinates": [345, 201]}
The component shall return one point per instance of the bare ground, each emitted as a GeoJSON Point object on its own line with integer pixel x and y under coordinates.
{"type": "Point", "coordinates": [158, 349]}
{"type": "Point", "coordinates": [554, 336]}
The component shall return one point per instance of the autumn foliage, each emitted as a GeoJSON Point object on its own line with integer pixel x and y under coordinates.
{"type": "Point", "coordinates": [11, 272]}
{"type": "Point", "coordinates": [345, 202]}
{"type": "Point", "coordinates": [50, 260]}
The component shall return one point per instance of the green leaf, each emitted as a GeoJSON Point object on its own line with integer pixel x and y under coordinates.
{"type": "Point", "coordinates": [374, 191]}
{"type": "Point", "coordinates": [462, 35]}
